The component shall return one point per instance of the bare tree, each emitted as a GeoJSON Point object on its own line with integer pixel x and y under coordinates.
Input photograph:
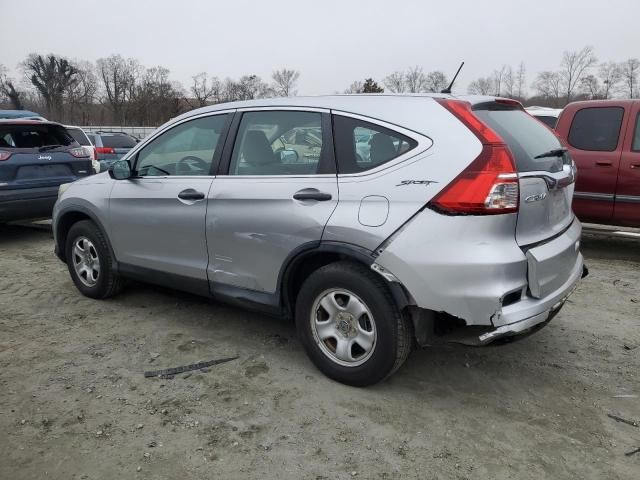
{"type": "Point", "coordinates": [395, 82]}
{"type": "Point", "coordinates": [574, 67]}
{"type": "Point", "coordinates": [521, 81]}
{"type": "Point", "coordinates": [436, 81]}
{"type": "Point", "coordinates": [629, 71]}
{"type": "Point", "coordinates": [498, 76]}
{"type": "Point", "coordinates": [284, 82]}
{"type": "Point", "coordinates": [247, 87]}
{"type": "Point", "coordinates": [355, 87]}
{"type": "Point", "coordinates": [509, 82]}
{"type": "Point", "coordinates": [415, 80]}
{"type": "Point", "coordinates": [591, 86]}
{"type": "Point", "coordinates": [611, 75]}
{"type": "Point", "coordinates": [82, 94]}
{"type": "Point", "coordinates": [118, 76]}
{"type": "Point", "coordinates": [549, 85]}
{"type": "Point", "coordinates": [205, 90]}
{"type": "Point", "coordinates": [8, 89]}
{"type": "Point", "coordinates": [482, 86]}
{"type": "Point", "coordinates": [52, 76]}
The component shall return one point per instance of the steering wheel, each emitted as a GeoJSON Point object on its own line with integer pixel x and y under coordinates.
{"type": "Point", "coordinates": [187, 165]}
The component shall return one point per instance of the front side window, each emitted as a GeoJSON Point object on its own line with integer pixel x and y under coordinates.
{"type": "Point", "coordinates": [187, 149]}
{"type": "Point", "coordinates": [279, 143]}
{"type": "Point", "coordinates": [596, 128]}
{"type": "Point", "coordinates": [361, 145]}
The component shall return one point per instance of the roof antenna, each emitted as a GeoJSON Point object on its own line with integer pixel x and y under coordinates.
{"type": "Point", "coordinates": [448, 89]}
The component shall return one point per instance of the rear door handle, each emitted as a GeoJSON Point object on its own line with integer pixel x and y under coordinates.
{"type": "Point", "coordinates": [190, 194]}
{"type": "Point", "coordinates": [311, 194]}
{"type": "Point", "coordinates": [603, 163]}
{"type": "Point", "coordinates": [635, 165]}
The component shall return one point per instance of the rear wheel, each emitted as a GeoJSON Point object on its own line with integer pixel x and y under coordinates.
{"type": "Point", "coordinates": [90, 261]}
{"type": "Point", "coordinates": [350, 325]}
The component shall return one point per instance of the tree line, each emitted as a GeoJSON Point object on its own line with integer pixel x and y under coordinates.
{"type": "Point", "coordinates": [121, 91]}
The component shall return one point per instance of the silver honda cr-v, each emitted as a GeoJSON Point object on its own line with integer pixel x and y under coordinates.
{"type": "Point", "coordinates": [377, 222]}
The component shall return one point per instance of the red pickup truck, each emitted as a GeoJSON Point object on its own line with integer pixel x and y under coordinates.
{"type": "Point", "coordinates": [603, 137]}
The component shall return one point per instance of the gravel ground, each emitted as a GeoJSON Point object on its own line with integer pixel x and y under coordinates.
{"type": "Point", "coordinates": [74, 403]}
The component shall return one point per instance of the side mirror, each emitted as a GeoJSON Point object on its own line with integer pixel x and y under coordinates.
{"type": "Point", "coordinates": [288, 156]}
{"type": "Point", "coordinates": [120, 170]}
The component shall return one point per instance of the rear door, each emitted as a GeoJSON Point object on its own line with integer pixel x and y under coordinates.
{"type": "Point", "coordinates": [275, 196]}
{"type": "Point", "coordinates": [627, 203]}
{"type": "Point", "coordinates": [594, 136]}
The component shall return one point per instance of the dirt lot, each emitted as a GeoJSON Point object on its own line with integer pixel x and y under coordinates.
{"type": "Point", "coordinates": [74, 403]}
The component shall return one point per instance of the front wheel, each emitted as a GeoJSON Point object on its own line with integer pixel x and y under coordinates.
{"type": "Point", "coordinates": [90, 261]}
{"type": "Point", "coordinates": [350, 325]}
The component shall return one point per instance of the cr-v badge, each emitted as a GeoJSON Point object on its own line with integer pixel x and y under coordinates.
{"type": "Point", "coordinates": [535, 198]}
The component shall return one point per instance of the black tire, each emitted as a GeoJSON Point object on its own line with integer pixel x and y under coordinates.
{"type": "Point", "coordinates": [107, 283]}
{"type": "Point", "coordinates": [394, 333]}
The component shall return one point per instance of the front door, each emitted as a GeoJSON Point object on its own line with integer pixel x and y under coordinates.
{"type": "Point", "coordinates": [627, 207]}
{"type": "Point", "coordinates": [275, 196]}
{"type": "Point", "coordinates": [158, 217]}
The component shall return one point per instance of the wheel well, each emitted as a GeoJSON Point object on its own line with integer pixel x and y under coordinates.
{"type": "Point", "coordinates": [301, 268]}
{"type": "Point", "coordinates": [64, 225]}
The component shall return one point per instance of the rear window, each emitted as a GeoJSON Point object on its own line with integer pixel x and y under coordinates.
{"type": "Point", "coordinates": [34, 136]}
{"type": "Point", "coordinates": [118, 141]}
{"type": "Point", "coordinates": [79, 136]}
{"type": "Point", "coordinates": [596, 128]}
{"type": "Point", "coordinates": [547, 120]}
{"type": "Point", "coordinates": [526, 138]}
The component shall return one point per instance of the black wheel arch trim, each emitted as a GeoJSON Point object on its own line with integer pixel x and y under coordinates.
{"type": "Point", "coordinates": [351, 251]}
{"type": "Point", "coordinates": [59, 245]}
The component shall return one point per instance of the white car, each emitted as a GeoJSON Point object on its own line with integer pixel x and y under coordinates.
{"type": "Point", "coordinates": [81, 137]}
{"type": "Point", "coordinates": [548, 116]}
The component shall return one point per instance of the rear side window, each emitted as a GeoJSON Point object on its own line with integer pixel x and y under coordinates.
{"type": "Point", "coordinates": [34, 136]}
{"type": "Point", "coordinates": [79, 136]}
{"type": "Point", "coordinates": [596, 128]}
{"type": "Point", "coordinates": [526, 137]}
{"type": "Point", "coordinates": [118, 141]}
{"type": "Point", "coordinates": [361, 145]}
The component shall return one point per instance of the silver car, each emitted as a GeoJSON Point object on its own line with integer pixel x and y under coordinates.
{"type": "Point", "coordinates": [457, 224]}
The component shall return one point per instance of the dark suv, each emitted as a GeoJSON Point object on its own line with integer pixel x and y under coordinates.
{"type": "Point", "coordinates": [111, 146]}
{"type": "Point", "coordinates": [35, 158]}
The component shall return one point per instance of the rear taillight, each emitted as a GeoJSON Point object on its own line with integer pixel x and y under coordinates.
{"type": "Point", "coordinates": [489, 185]}
{"type": "Point", "coordinates": [79, 152]}
{"type": "Point", "coordinates": [104, 151]}
{"type": "Point", "coordinates": [4, 155]}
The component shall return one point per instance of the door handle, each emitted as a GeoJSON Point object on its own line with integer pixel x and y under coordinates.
{"type": "Point", "coordinates": [635, 165]}
{"type": "Point", "coordinates": [190, 194]}
{"type": "Point", "coordinates": [603, 163]}
{"type": "Point", "coordinates": [311, 194]}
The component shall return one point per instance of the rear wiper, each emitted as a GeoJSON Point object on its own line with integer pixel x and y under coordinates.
{"type": "Point", "coordinates": [556, 152]}
{"type": "Point", "coordinates": [49, 147]}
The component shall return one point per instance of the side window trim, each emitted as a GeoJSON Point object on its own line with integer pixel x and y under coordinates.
{"type": "Point", "coordinates": [217, 154]}
{"type": "Point", "coordinates": [327, 156]}
{"type": "Point", "coordinates": [424, 143]}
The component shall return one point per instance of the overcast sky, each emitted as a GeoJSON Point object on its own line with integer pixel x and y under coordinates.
{"type": "Point", "coordinates": [331, 42]}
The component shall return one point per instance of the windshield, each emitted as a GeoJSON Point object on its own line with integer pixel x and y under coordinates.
{"type": "Point", "coordinates": [526, 138]}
